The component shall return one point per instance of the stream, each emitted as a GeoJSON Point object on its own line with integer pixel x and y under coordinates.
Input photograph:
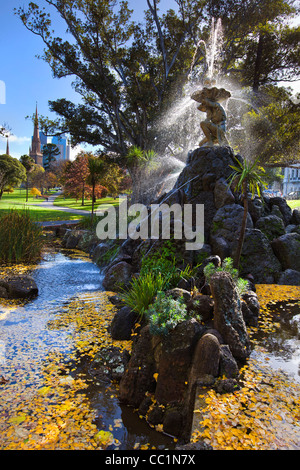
{"type": "Point", "coordinates": [29, 335]}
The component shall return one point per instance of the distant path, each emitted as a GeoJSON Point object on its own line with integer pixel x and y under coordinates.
{"type": "Point", "coordinates": [49, 205]}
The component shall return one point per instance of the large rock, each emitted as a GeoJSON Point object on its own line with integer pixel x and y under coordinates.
{"type": "Point", "coordinates": [98, 254]}
{"type": "Point", "coordinates": [118, 276]}
{"type": "Point", "coordinates": [290, 277]}
{"type": "Point", "coordinates": [271, 225]}
{"type": "Point", "coordinates": [19, 287]}
{"type": "Point", "coordinates": [223, 194]}
{"type": "Point", "coordinates": [139, 375]}
{"type": "Point", "coordinates": [206, 357]}
{"type": "Point", "coordinates": [287, 250]}
{"type": "Point", "coordinates": [284, 208]}
{"type": "Point", "coordinates": [228, 317]}
{"type": "Point", "coordinates": [122, 324]}
{"type": "Point", "coordinates": [225, 229]}
{"type": "Point", "coordinates": [259, 259]}
{"type": "Point", "coordinates": [203, 181]}
{"type": "Point", "coordinates": [175, 361]}
{"type": "Point", "coordinates": [295, 217]}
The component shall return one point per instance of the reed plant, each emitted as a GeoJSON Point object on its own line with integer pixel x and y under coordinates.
{"type": "Point", "coordinates": [21, 239]}
{"type": "Point", "coordinates": [142, 291]}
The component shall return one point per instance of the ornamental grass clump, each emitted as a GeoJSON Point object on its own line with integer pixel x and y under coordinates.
{"type": "Point", "coordinates": [142, 291]}
{"type": "Point", "coordinates": [20, 238]}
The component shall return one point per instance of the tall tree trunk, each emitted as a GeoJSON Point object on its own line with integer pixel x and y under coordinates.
{"type": "Point", "coordinates": [82, 194]}
{"type": "Point", "coordinates": [93, 199]}
{"type": "Point", "coordinates": [238, 252]}
{"type": "Point", "coordinates": [27, 188]}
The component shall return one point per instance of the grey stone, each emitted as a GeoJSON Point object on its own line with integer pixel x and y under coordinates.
{"type": "Point", "coordinates": [284, 208]}
{"type": "Point", "coordinates": [271, 225]}
{"type": "Point", "coordinates": [228, 317]}
{"type": "Point", "coordinates": [225, 229]}
{"type": "Point", "coordinates": [287, 250]}
{"type": "Point", "coordinates": [290, 277]}
{"type": "Point", "coordinates": [259, 259]}
{"type": "Point", "coordinates": [122, 324]}
{"type": "Point", "coordinates": [222, 194]}
{"type": "Point", "coordinates": [118, 277]}
{"type": "Point", "coordinates": [19, 287]}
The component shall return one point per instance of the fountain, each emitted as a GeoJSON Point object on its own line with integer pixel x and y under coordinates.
{"type": "Point", "coordinates": [180, 117]}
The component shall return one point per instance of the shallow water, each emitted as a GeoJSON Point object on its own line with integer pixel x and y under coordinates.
{"type": "Point", "coordinates": [28, 335]}
{"type": "Point", "coordinates": [281, 349]}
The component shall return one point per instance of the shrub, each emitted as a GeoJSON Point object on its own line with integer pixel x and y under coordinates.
{"type": "Point", "coordinates": [242, 285]}
{"type": "Point", "coordinates": [35, 192]}
{"type": "Point", "coordinates": [165, 313]}
{"type": "Point", "coordinates": [20, 238]}
{"type": "Point", "coordinates": [164, 262]}
{"type": "Point", "coordinates": [142, 291]}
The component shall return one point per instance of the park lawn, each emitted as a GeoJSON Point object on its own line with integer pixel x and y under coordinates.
{"type": "Point", "coordinates": [294, 204]}
{"type": "Point", "coordinates": [72, 203]}
{"type": "Point", "coordinates": [17, 200]}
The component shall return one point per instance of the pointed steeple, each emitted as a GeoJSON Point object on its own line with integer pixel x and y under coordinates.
{"type": "Point", "coordinates": [7, 147]}
{"type": "Point", "coordinates": [35, 151]}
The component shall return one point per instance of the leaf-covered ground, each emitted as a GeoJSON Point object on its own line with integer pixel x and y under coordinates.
{"type": "Point", "coordinates": [43, 405]}
{"type": "Point", "coordinates": [265, 413]}
{"type": "Point", "coordinates": [44, 402]}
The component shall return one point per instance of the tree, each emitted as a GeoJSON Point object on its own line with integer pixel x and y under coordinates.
{"type": "Point", "coordinates": [28, 164]}
{"type": "Point", "coordinates": [96, 168]}
{"type": "Point", "coordinates": [37, 177]}
{"type": "Point", "coordinates": [123, 71]}
{"type": "Point", "coordinates": [260, 46]}
{"type": "Point", "coordinates": [274, 128]}
{"type": "Point", "coordinates": [12, 172]}
{"type": "Point", "coordinates": [140, 164]}
{"type": "Point", "coordinates": [246, 175]}
{"type": "Point", "coordinates": [76, 174]}
{"type": "Point", "coordinates": [50, 152]}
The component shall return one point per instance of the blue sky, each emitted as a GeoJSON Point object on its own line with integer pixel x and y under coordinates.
{"type": "Point", "coordinates": [27, 79]}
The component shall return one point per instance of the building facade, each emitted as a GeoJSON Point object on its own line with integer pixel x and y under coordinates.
{"type": "Point", "coordinates": [291, 181]}
{"type": "Point", "coordinates": [39, 139]}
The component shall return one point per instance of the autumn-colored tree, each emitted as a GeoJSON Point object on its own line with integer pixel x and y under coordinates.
{"type": "Point", "coordinates": [76, 174]}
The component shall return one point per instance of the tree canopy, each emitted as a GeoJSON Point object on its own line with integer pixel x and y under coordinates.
{"type": "Point", "coordinates": [12, 172]}
{"type": "Point", "coordinates": [128, 73]}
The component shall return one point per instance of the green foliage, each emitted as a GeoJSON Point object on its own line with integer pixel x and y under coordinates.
{"type": "Point", "coordinates": [247, 173]}
{"type": "Point", "coordinates": [227, 266]}
{"type": "Point", "coordinates": [165, 314]}
{"type": "Point", "coordinates": [20, 238]}
{"type": "Point", "coordinates": [142, 291]}
{"type": "Point", "coordinates": [12, 172]}
{"type": "Point", "coordinates": [164, 262]}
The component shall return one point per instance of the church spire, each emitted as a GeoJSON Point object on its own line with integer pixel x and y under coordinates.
{"type": "Point", "coordinates": [35, 151]}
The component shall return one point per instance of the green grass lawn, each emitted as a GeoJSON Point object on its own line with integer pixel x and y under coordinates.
{"type": "Point", "coordinates": [76, 204]}
{"type": "Point", "coordinates": [17, 200]}
{"type": "Point", "coordinates": [294, 204]}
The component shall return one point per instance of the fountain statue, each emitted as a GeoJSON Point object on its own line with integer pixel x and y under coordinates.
{"type": "Point", "coordinates": [214, 126]}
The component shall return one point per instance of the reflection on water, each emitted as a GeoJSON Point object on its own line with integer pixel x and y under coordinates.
{"type": "Point", "coordinates": [28, 337]}
{"type": "Point", "coordinates": [281, 349]}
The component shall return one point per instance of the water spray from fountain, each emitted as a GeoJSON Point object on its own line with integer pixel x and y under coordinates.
{"type": "Point", "coordinates": [182, 119]}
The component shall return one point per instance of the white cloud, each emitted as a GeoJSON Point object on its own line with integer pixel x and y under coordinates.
{"type": "Point", "coordinates": [16, 139]}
